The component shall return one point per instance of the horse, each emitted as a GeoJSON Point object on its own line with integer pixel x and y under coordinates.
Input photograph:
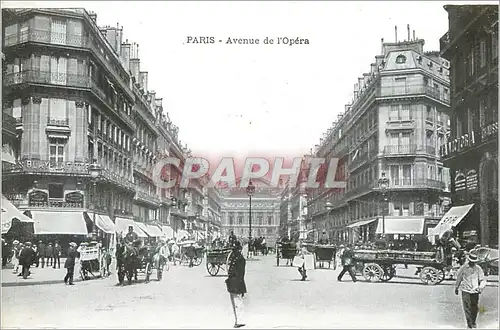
{"type": "Point", "coordinates": [127, 260]}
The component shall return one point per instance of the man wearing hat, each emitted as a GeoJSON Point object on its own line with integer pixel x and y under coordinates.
{"type": "Point", "coordinates": [26, 259]}
{"type": "Point", "coordinates": [347, 263]}
{"type": "Point", "coordinates": [235, 282]}
{"type": "Point", "coordinates": [131, 236]}
{"type": "Point", "coordinates": [41, 253]}
{"type": "Point", "coordinates": [69, 264]}
{"type": "Point", "coordinates": [471, 281]}
{"type": "Point", "coordinates": [5, 252]}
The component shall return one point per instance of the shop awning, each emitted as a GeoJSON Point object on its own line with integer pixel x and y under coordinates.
{"type": "Point", "coordinates": [9, 213]}
{"type": "Point", "coordinates": [105, 223]}
{"type": "Point", "coordinates": [154, 231]}
{"type": "Point", "coordinates": [60, 222]}
{"type": "Point", "coordinates": [122, 224]}
{"type": "Point", "coordinates": [150, 230]}
{"type": "Point", "coordinates": [167, 231]}
{"type": "Point", "coordinates": [403, 226]}
{"type": "Point", "coordinates": [452, 218]}
{"type": "Point", "coordinates": [361, 223]}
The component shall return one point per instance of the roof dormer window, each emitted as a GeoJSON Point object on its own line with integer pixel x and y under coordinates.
{"type": "Point", "coordinates": [400, 59]}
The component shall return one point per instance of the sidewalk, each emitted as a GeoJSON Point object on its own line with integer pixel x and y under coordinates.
{"type": "Point", "coordinates": [41, 276]}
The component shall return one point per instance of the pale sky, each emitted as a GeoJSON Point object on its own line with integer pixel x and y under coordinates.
{"type": "Point", "coordinates": [278, 98]}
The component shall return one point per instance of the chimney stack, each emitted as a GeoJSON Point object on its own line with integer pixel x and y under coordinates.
{"type": "Point", "coordinates": [382, 42]}
{"type": "Point", "coordinates": [408, 28]}
{"type": "Point", "coordinates": [396, 32]}
{"type": "Point", "coordinates": [93, 16]}
{"type": "Point", "coordinates": [414, 35]}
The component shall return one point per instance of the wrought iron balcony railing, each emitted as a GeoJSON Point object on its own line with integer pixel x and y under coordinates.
{"type": "Point", "coordinates": [411, 90]}
{"type": "Point", "coordinates": [71, 40]}
{"type": "Point", "coordinates": [400, 150]}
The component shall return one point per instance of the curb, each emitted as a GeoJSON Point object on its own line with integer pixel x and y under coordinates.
{"type": "Point", "coordinates": [28, 283]}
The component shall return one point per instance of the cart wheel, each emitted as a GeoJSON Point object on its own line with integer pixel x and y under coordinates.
{"type": "Point", "coordinates": [389, 273]}
{"type": "Point", "coordinates": [167, 265]}
{"type": "Point", "coordinates": [197, 261]}
{"type": "Point", "coordinates": [373, 272]}
{"type": "Point", "coordinates": [213, 269]}
{"type": "Point", "coordinates": [441, 276]}
{"type": "Point", "coordinates": [148, 271]}
{"type": "Point", "coordinates": [431, 275]}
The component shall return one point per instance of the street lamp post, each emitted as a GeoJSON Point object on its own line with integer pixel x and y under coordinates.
{"type": "Point", "coordinates": [197, 217]}
{"type": "Point", "coordinates": [95, 170]}
{"type": "Point", "coordinates": [328, 207]}
{"type": "Point", "coordinates": [250, 193]}
{"type": "Point", "coordinates": [383, 184]}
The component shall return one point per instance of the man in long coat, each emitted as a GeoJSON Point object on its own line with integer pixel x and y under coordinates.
{"type": "Point", "coordinates": [235, 283]}
{"type": "Point", "coordinates": [41, 253]}
{"type": "Point", "coordinates": [26, 259]}
{"type": "Point", "coordinates": [69, 264]}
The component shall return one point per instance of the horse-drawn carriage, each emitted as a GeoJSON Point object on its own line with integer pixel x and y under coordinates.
{"type": "Point", "coordinates": [190, 253]}
{"type": "Point", "coordinates": [326, 253]}
{"type": "Point", "coordinates": [217, 259]}
{"type": "Point", "coordinates": [93, 263]}
{"type": "Point", "coordinates": [285, 251]}
{"type": "Point", "coordinates": [132, 260]}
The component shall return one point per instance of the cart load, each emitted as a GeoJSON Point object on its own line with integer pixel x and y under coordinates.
{"type": "Point", "coordinates": [380, 265]}
{"type": "Point", "coordinates": [217, 259]}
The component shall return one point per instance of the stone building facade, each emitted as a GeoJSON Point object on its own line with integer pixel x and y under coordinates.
{"type": "Point", "coordinates": [393, 126]}
{"type": "Point", "coordinates": [471, 46]}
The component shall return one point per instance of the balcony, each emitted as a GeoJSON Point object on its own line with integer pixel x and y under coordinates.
{"type": "Point", "coordinates": [413, 90]}
{"type": "Point", "coordinates": [400, 150]}
{"type": "Point", "coordinates": [147, 197]}
{"type": "Point", "coordinates": [118, 179]}
{"type": "Point", "coordinates": [46, 77]}
{"type": "Point", "coordinates": [70, 40]}
{"type": "Point", "coordinates": [67, 80]}
{"type": "Point", "coordinates": [416, 184]}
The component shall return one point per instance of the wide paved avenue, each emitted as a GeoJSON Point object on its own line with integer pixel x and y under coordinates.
{"type": "Point", "coordinates": [190, 298]}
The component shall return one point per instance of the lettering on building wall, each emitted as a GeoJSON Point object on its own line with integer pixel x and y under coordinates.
{"type": "Point", "coordinates": [46, 166]}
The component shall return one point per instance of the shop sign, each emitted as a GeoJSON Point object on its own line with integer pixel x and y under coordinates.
{"type": "Point", "coordinates": [469, 233]}
{"type": "Point", "coordinates": [38, 197]}
{"type": "Point", "coordinates": [460, 181]}
{"type": "Point", "coordinates": [74, 197]}
{"type": "Point", "coordinates": [47, 166]}
{"type": "Point", "coordinates": [472, 180]}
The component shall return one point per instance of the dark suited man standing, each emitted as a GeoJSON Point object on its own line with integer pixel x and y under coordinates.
{"type": "Point", "coordinates": [26, 259]}
{"type": "Point", "coordinates": [42, 249]}
{"type": "Point", "coordinates": [347, 264]}
{"type": "Point", "coordinates": [69, 264]}
{"type": "Point", "coordinates": [56, 254]}
{"type": "Point", "coordinates": [49, 252]}
{"type": "Point", "coordinates": [235, 282]}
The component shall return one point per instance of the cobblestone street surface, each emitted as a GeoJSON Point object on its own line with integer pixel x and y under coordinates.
{"type": "Point", "coordinates": [190, 298]}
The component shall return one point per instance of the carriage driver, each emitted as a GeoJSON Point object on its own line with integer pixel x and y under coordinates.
{"type": "Point", "coordinates": [132, 237]}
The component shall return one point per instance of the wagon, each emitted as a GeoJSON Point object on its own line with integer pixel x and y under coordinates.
{"type": "Point", "coordinates": [379, 265]}
{"type": "Point", "coordinates": [285, 251]}
{"type": "Point", "coordinates": [326, 253]}
{"type": "Point", "coordinates": [92, 263]}
{"type": "Point", "coordinates": [217, 259]}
